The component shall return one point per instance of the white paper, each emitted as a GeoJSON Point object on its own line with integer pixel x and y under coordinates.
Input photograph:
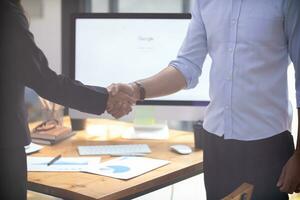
{"type": "Point", "coordinates": [126, 167]}
{"type": "Point", "coordinates": [67, 164]}
{"type": "Point", "coordinates": [32, 147]}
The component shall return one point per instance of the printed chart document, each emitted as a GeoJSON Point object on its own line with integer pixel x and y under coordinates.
{"type": "Point", "coordinates": [32, 148]}
{"type": "Point", "coordinates": [126, 167]}
{"type": "Point", "coordinates": [67, 164]}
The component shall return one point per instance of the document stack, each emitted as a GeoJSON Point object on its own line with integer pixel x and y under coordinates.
{"type": "Point", "coordinates": [50, 132]}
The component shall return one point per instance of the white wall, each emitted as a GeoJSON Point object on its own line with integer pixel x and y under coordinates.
{"type": "Point", "coordinates": [140, 6]}
{"type": "Point", "coordinates": [150, 5]}
{"type": "Point", "coordinates": [47, 30]}
{"type": "Point", "coordinates": [100, 6]}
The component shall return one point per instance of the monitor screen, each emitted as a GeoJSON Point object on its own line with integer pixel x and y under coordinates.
{"type": "Point", "coordinates": [122, 48]}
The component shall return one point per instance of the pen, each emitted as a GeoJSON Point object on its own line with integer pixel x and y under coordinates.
{"type": "Point", "coordinates": [54, 160]}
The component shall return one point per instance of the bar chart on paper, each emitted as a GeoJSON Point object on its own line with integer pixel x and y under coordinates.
{"type": "Point", "coordinates": [63, 164]}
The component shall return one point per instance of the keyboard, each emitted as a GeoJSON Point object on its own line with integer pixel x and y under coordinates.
{"type": "Point", "coordinates": [131, 149]}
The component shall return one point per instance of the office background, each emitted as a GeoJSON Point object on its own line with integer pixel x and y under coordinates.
{"type": "Point", "coordinates": [47, 24]}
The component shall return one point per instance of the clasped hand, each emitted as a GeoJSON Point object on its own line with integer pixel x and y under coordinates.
{"type": "Point", "coordinates": [121, 99]}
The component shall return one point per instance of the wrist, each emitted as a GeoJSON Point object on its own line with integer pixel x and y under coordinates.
{"type": "Point", "coordinates": [136, 91]}
{"type": "Point", "coordinates": [139, 91]}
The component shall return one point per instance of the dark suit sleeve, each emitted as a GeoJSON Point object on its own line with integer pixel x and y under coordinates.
{"type": "Point", "coordinates": [292, 29]}
{"type": "Point", "coordinates": [31, 68]}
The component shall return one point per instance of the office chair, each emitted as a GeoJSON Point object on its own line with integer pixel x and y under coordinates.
{"type": "Point", "coordinates": [243, 192]}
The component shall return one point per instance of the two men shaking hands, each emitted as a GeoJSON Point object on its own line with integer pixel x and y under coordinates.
{"type": "Point", "coordinates": [122, 97]}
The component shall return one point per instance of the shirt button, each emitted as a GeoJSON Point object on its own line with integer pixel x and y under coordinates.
{"type": "Point", "coordinates": [233, 21]}
{"type": "Point", "coordinates": [230, 49]}
{"type": "Point", "coordinates": [229, 78]}
{"type": "Point", "coordinates": [226, 107]}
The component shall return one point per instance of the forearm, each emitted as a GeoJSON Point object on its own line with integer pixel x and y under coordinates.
{"type": "Point", "coordinates": [64, 91]}
{"type": "Point", "coordinates": [167, 81]}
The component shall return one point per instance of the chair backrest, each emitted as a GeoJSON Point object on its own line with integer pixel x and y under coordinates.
{"type": "Point", "coordinates": [244, 192]}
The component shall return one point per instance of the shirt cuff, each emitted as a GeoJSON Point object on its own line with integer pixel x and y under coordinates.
{"type": "Point", "coordinates": [190, 73]}
{"type": "Point", "coordinates": [97, 100]}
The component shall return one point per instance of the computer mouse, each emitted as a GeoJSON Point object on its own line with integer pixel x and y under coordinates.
{"type": "Point", "coordinates": [181, 149]}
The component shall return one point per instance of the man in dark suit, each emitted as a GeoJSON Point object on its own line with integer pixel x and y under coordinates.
{"type": "Point", "coordinates": [23, 64]}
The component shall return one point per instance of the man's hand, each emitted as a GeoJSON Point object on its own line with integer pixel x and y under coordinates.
{"type": "Point", "coordinates": [289, 180]}
{"type": "Point", "coordinates": [121, 99]}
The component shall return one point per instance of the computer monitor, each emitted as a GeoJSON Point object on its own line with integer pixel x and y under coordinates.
{"type": "Point", "coordinates": [122, 47]}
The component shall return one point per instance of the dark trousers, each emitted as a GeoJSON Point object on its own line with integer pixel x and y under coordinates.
{"type": "Point", "coordinates": [229, 163]}
{"type": "Point", "coordinates": [13, 172]}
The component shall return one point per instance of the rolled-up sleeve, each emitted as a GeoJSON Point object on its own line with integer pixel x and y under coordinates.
{"type": "Point", "coordinates": [292, 28]}
{"type": "Point", "coordinates": [193, 51]}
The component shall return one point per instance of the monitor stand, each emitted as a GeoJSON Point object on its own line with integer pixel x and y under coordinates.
{"type": "Point", "coordinates": [145, 126]}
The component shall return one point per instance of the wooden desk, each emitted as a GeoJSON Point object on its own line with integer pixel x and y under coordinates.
{"type": "Point", "coordinates": [83, 186]}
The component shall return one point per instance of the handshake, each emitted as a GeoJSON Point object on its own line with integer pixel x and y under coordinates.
{"type": "Point", "coordinates": [121, 99]}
